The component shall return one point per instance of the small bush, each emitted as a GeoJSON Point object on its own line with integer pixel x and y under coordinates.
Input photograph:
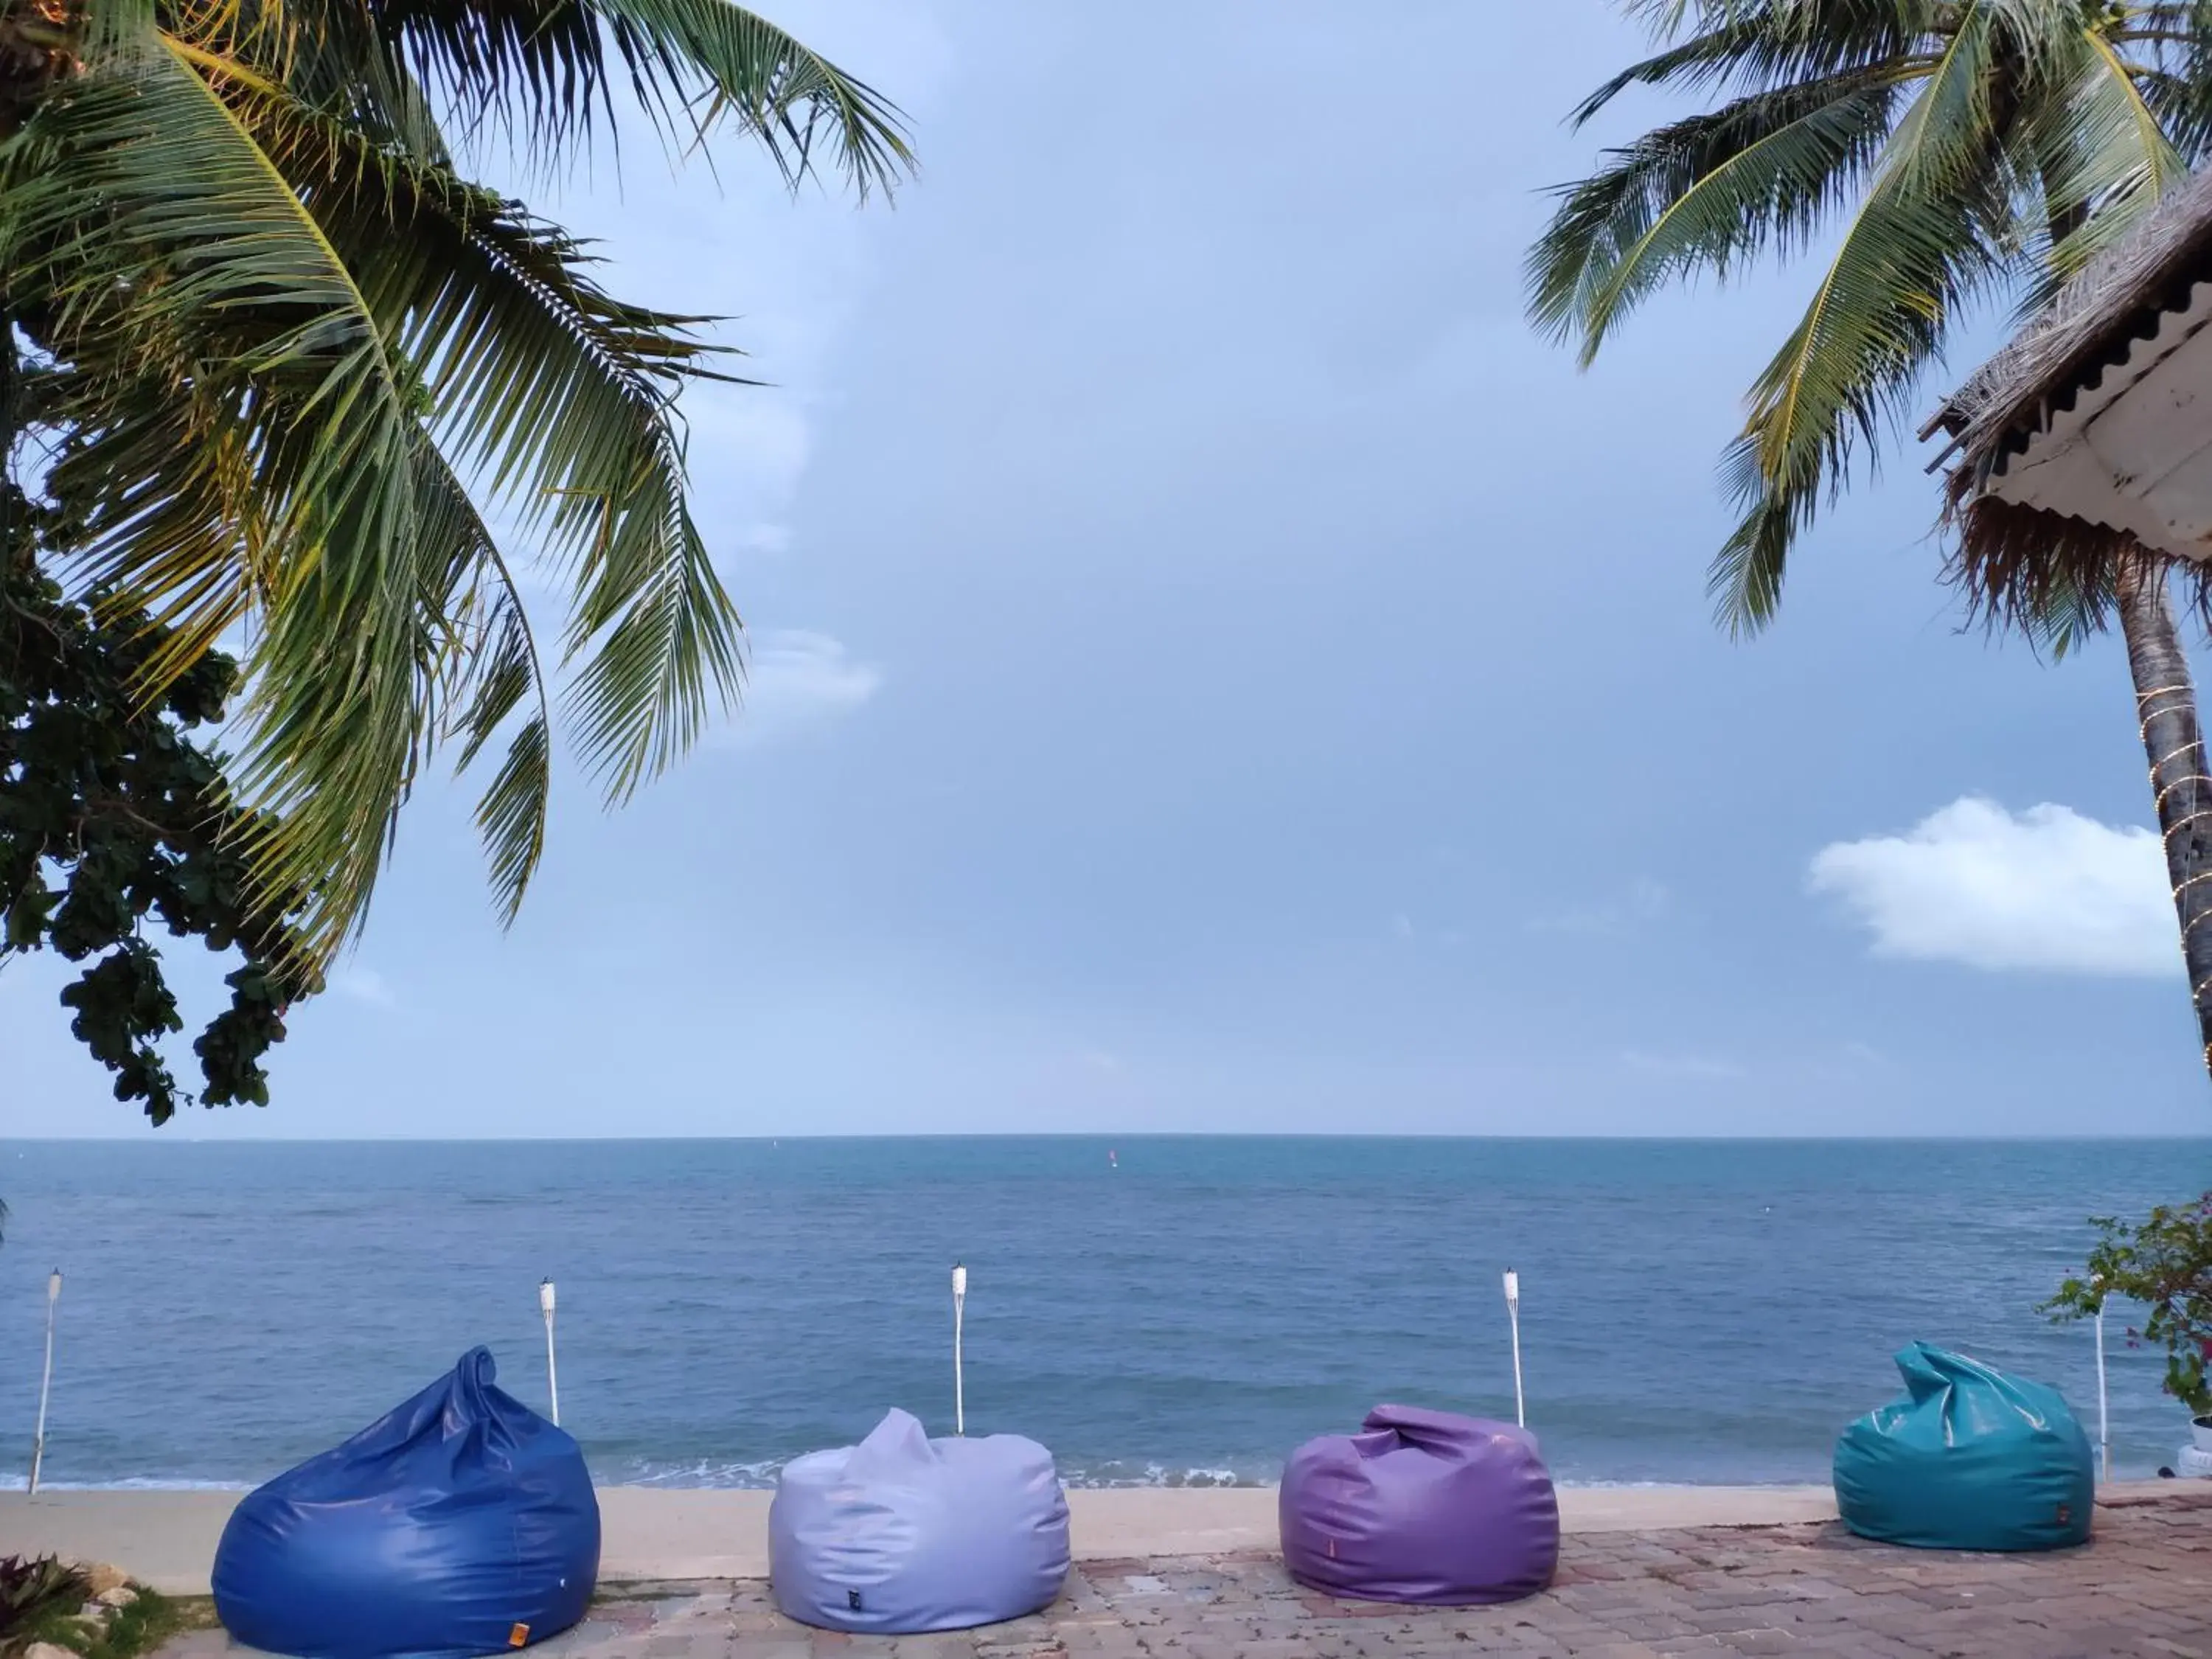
{"type": "Point", "coordinates": [2164, 1264]}
{"type": "Point", "coordinates": [32, 1590]}
{"type": "Point", "coordinates": [44, 1601]}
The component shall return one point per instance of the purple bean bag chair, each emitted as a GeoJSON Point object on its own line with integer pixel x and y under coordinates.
{"type": "Point", "coordinates": [1423, 1507]}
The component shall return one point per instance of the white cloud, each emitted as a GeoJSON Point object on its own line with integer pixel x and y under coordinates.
{"type": "Point", "coordinates": [1708, 1066]}
{"type": "Point", "coordinates": [2045, 890]}
{"type": "Point", "coordinates": [360, 984]}
{"type": "Point", "coordinates": [1645, 901]}
{"type": "Point", "coordinates": [799, 680]}
{"type": "Point", "coordinates": [749, 450]}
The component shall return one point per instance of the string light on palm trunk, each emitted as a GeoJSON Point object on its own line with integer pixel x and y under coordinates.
{"type": "Point", "coordinates": [2192, 754]}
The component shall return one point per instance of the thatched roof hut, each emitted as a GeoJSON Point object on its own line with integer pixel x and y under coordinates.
{"type": "Point", "coordinates": [2089, 438]}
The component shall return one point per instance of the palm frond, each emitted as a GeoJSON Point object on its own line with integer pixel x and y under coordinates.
{"type": "Point", "coordinates": [493, 669]}
{"type": "Point", "coordinates": [1710, 193]}
{"type": "Point", "coordinates": [543, 68]}
{"type": "Point", "coordinates": [2040, 132]}
{"type": "Point", "coordinates": [1745, 580]}
{"type": "Point", "coordinates": [1917, 249]}
{"type": "Point", "coordinates": [2169, 46]}
{"type": "Point", "coordinates": [290, 351]}
{"type": "Point", "coordinates": [531, 69]}
{"type": "Point", "coordinates": [182, 266]}
{"type": "Point", "coordinates": [1752, 46]}
{"type": "Point", "coordinates": [329, 57]}
{"type": "Point", "coordinates": [734, 65]}
{"type": "Point", "coordinates": [2184, 106]}
{"type": "Point", "coordinates": [2104, 159]}
{"type": "Point", "coordinates": [558, 400]}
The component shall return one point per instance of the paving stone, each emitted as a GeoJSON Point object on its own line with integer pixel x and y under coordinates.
{"type": "Point", "coordinates": [2142, 1588]}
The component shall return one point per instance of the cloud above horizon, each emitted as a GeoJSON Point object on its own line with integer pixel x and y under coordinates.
{"type": "Point", "coordinates": [798, 678]}
{"type": "Point", "coordinates": [2045, 890]}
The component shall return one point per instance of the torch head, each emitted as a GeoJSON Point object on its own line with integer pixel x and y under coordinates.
{"type": "Point", "coordinates": [1512, 1288]}
{"type": "Point", "coordinates": [545, 1298]}
{"type": "Point", "coordinates": [54, 1286]}
{"type": "Point", "coordinates": [959, 1281]}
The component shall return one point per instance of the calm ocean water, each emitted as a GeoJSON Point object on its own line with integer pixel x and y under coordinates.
{"type": "Point", "coordinates": [1708, 1312]}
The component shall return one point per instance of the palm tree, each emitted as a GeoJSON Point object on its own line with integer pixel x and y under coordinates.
{"type": "Point", "coordinates": [280, 364]}
{"type": "Point", "coordinates": [1957, 152]}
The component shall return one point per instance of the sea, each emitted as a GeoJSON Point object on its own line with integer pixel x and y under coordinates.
{"type": "Point", "coordinates": [1159, 1311]}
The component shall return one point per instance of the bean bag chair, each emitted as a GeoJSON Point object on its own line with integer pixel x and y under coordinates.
{"type": "Point", "coordinates": [462, 1524]}
{"type": "Point", "coordinates": [903, 1534]}
{"type": "Point", "coordinates": [1422, 1507]}
{"type": "Point", "coordinates": [1970, 1459]}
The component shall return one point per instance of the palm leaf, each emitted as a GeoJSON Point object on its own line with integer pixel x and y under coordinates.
{"type": "Point", "coordinates": [543, 69]}
{"type": "Point", "coordinates": [493, 669]}
{"type": "Point", "coordinates": [141, 182]}
{"type": "Point", "coordinates": [557, 396]}
{"type": "Point", "coordinates": [1917, 249]}
{"type": "Point", "coordinates": [1753, 46]}
{"type": "Point", "coordinates": [1762, 175]}
{"type": "Point", "coordinates": [2102, 156]}
{"type": "Point", "coordinates": [2170, 58]}
{"type": "Point", "coordinates": [557, 400]}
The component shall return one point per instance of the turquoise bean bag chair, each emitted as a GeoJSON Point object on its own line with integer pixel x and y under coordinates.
{"type": "Point", "coordinates": [1970, 1459]}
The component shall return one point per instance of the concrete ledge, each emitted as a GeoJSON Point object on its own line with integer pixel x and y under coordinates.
{"type": "Point", "coordinates": [168, 1539]}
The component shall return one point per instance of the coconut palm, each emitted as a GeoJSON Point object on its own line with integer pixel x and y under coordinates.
{"type": "Point", "coordinates": [1942, 154]}
{"type": "Point", "coordinates": [281, 366]}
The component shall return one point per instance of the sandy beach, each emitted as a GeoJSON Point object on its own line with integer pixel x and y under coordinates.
{"type": "Point", "coordinates": [168, 1539]}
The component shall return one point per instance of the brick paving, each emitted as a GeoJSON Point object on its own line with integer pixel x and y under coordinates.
{"type": "Point", "coordinates": [2142, 1586]}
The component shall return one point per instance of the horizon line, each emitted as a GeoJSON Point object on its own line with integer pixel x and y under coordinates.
{"type": "Point", "coordinates": [2084, 1138]}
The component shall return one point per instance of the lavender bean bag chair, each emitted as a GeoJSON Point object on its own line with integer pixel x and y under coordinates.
{"type": "Point", "coordinates": [1422, 1507]}
{"type": "Point", "coordinates": [903, 1534]}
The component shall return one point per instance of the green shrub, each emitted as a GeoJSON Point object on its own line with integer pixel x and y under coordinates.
{"type": "Point", "coordinates": [2163, 1264]}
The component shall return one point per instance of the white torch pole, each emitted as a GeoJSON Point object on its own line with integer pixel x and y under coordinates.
{"type": "Point", "coordinates": [46, 1381]}
{"type": "Point", "coordinates": [2104, 1409]}
{"type": "Point", "coordinates": [1513, 1316]}
{"type": "Point", "coordinates": [552, 1371]}
{"type": "Point", "coordinates": [959, 1388]}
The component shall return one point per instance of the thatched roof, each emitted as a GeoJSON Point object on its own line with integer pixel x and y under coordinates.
{"type": "Point", "coordinates": [2088, 327]}
{"type": "Point", "coordinates": [2107, 329]}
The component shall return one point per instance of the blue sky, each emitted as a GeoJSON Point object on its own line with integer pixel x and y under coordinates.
{"type": "Point", "coordinates": [1215, 669]}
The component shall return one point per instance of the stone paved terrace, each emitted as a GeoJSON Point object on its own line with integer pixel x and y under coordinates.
{"type": "Point", "coordinates": [2142, 1586]}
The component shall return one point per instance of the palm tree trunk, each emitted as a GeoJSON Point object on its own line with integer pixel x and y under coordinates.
{"type": "Point", "coordinates": [2165, 703]}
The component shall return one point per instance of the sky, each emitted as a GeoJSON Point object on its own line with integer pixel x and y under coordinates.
{"type": "Point", "coordinates": [1215, 669]}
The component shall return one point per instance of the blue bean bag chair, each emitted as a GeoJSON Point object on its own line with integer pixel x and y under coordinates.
{"type": "Point", "coordinates": [462, 1524]}
{"type": "Point", "coordinates": [1422, 1507]}
{"type": "Point", "coordinates": [1970, 1459]}
{"type": "Point", "coordinates": [902, 1533]}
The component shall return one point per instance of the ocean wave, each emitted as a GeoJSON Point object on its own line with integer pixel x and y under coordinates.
{"type": "Point", "coordinates": [1114, 1475]}
{"type": "Point", "coordinates": [711, 1475]}
{"type": "Point", "coordinates": [707, 1475]}
{"type": "Point", "coordinates": [128, 1483]}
